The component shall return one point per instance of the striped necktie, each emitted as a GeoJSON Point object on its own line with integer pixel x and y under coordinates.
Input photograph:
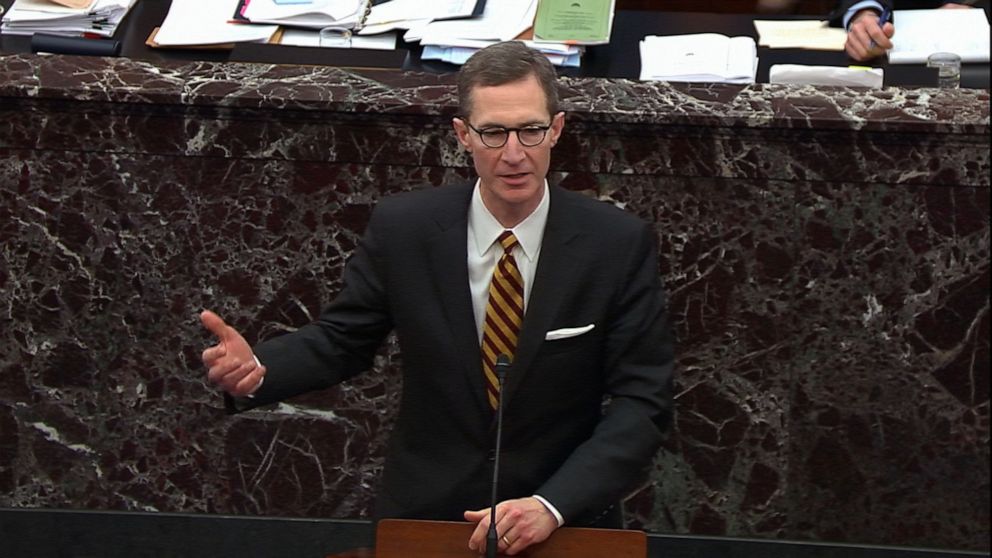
{"type": "Point", "coordinates": [504, 314]}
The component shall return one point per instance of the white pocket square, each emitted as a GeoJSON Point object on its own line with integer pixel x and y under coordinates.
{"type": "Point", "coordinates": [566, 332]}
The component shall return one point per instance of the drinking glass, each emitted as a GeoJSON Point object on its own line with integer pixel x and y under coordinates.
{"type": "Point", "coordinates": [948, 67]}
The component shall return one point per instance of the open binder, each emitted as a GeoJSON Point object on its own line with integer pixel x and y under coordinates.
{"type": "Point", "coordinates": [699, 57]}
{"type": "Point", "coordinates": [348, 14]}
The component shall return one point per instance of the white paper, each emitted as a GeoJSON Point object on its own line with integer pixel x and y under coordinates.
{"type": "Point", "coordinates": [399, 12]}
{"type": "Point", "coordinates": [798, 74]}
{"type": "Point", "coordinates": [268, 9]}
{"type": "Point", "coordinates": [194, 22]}
{"type": "Point", "coordinates": [502, 20]}
{"type": "Point", "coordinates": [373, 29]}
{"type": "Point", "coordinates": [920, 33]}
{"type": "Point", "coordinates": [416, 30]}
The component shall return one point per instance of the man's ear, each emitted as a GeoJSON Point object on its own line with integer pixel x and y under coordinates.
{"type": "Point", "coordinates": [557, 125]}
{"type": "Point", "coordinates": [461, 132]}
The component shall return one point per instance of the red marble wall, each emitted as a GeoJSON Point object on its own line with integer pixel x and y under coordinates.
{"type": "Point", "coordinates": [826, 252]}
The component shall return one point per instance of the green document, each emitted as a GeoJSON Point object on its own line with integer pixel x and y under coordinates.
{"type": "Point", "coordinates": [580, 21]}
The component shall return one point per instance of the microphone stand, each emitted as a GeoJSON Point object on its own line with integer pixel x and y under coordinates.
{"type": "Point", "coordinates": [492, 537]}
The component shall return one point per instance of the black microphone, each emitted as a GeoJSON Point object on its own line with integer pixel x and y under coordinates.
{"type": "Point", "coordinates": [492, 538]}
{"type": "Point", "coordinates": [57, 44]}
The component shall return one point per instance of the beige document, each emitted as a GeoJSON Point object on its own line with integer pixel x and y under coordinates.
{"type": "Point", "coordinates": [807, 34]}
{"type": "Point", "coordinates": [77, 4]}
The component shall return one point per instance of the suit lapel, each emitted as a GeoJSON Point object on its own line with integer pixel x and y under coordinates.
{"type": "Point", "coordinates": [554, 268]}
{"type": "Point", "coordinates": [448, 265]}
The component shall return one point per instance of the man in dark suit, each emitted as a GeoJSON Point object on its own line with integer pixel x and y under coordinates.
{"type": "Point", "coordinates": [866, 39]}
{"type": "Point", "coordinates": [588, 394]}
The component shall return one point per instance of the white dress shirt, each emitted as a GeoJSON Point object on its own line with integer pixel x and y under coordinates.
{"type": "Point", "coordinates": [484, 252]}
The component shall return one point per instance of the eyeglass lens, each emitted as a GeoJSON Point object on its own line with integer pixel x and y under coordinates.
{"type": "Point", "coordinates": [528, 137]}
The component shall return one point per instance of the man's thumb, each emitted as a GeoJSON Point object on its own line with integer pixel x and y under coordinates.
{"type": "Point", "coordinates": [215, 324]}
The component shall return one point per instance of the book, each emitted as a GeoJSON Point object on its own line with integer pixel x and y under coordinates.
{"type": "Point", "coordinates": [920, 33]}
{"type": "Point", "coordinates": [577, 22]}
{"type": "Point", "coordinates": [700, 57]}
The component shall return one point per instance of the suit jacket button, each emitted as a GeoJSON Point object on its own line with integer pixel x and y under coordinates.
{"type": "Point", "coordinates": [491, 456]}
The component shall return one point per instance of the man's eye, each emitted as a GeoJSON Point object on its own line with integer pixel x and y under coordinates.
{"type": "Point", "coordinates": [494, 133]}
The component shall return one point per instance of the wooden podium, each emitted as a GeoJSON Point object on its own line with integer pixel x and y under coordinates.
{"type": "Point", "coordinates": [407, 538]}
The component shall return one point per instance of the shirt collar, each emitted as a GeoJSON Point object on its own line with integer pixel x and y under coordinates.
{"type": "Point", "coordinates": [486, 229]}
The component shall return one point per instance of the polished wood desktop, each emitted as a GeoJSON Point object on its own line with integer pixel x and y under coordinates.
{"type": "Point", "coordinates": [619, 59]}
{"type": "Point", "coordinates": [407, 538]}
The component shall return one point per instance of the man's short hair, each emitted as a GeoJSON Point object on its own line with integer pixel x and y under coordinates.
{"type": "Point", "coordinates": [504, 63]}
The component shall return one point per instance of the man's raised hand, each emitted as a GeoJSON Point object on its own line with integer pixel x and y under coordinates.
{"type": "Point", "coordinates": [230, 363]}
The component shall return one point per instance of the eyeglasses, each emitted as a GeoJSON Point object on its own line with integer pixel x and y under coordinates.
{"type": "Point", "coordinates": [528, 136]}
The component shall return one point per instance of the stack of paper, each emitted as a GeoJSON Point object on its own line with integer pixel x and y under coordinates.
{"type": "Point", "coordinates": [96, 17]}
{"type": "Point", "coordinates": [852, 76]}
{"type": "Point", "coordinates": [702, 57]}
{"type": "Point", "coordinates": [920, 33]}
{"type": "Point", "coordinates": [461, 50]}
{"type": "Point", "coordinates": [455, 40]}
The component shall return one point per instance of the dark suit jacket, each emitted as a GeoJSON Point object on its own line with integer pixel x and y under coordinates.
{"type": "Point", "coordinates": [837, 16]}
{"type": "Point", "coordinates": [597, 265]}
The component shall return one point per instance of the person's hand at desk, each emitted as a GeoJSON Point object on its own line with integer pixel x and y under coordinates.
{"type": "Point", "coordinates": [519, 524]}
{"type": "Point", "coordinates": [867, 36]}
{"type": "Point", "coordinates": [870, 30]}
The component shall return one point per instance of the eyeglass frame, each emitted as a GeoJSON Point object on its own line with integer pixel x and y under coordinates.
{"type": "Point", "coordinates": [543, 129]}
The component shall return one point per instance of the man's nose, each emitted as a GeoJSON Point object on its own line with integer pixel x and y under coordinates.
{"type": "Point", "coordinates": [513, 150]}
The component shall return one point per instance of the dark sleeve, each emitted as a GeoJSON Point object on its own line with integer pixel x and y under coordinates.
{"type": "Point", "coordinates": [638, 382]}
{"type": "Point", "coordinates": [836, 17]}
{"type": "Point", "coordinates": [983, 4]}
{"type": "Point", "coordinates": [339, 344]}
